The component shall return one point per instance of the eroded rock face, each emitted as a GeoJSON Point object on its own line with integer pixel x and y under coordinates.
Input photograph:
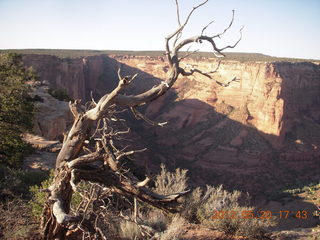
{"type": "Point", "coordinates": [78, 76]}
{"type": "Point", "coordinates": [252, 135]}
{"type": "Point", "coordinates": [259, 134]}
{"type": "Point", "coordinates": [52, 117]}
{"type": "Point", "coordinates": [271, 97]}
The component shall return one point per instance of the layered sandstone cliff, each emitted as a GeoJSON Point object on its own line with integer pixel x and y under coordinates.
{"type": "Point", "coordinates": [263, 126]}
{"type": "Point", "coordinates": [271, 97]}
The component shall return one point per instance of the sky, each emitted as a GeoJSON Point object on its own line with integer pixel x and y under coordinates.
{"type": "Point", "coordinates": [282, 28]}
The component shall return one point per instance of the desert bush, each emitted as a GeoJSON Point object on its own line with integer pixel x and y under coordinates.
{"type": "Point", "coordinates": [168, 183]}
{"type": "Point", "coordinates": [191, 204]}
{"type": "Point", "coordinates": [156, 219]}
{"type": "Point", "coordinates": [199, 207]}
{"type": "Point", "coordinates": [202, 207]}
{"type": "Point", "coordinates": [215, 199]}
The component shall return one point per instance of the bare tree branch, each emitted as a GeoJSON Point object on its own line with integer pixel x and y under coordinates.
{"type": "Point", "coordinates": [203, 29]}
{"type": "Point", "coordinates": [101, 166]}
{"type": "Point", "coordinates": [195, 70]}
{"type": "Point", "coordinates": [226, 29]}
{"type": "Point", "coordinates": [139, 115]}
{"type": "Point", "coordinates": [187, 20]}
{"type": "Point", "coordinates": [188, 54]}
{"type": "Point", "coordinates": [129, 153]}
{"type": "Point", "coordinates": [178, 12]}
{"type": "Point", "coordinates": [107, 100]}
{"type": "Point", "coordinates": [83, 160]}
{"type": "Point", "coordinates": [75, 107]}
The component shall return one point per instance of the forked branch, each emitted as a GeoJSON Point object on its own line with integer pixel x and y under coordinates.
{"type": "Point", "coordinates": [172, 52]}
{"type": "Point", "coordinates": [102, 165]}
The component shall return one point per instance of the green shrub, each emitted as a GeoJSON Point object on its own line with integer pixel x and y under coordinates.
{"type": "Point", "coordinates": [13, 147]}
{"type": "Point", "coordinates": [16, 182]}
{"type": "Point", "coordinates": [39, 197]}
{"type": "Point", "coordinates": [60, 94]}
{"type": "Point", "coordinates": [83, 188]}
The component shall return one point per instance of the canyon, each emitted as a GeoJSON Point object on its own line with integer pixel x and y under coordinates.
{"type": "Point", "coordinates": [260, 134]}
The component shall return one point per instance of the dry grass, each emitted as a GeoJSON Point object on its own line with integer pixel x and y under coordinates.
{"type": "Point", "coordinates": [129, 230]}
{"type": "Point", "coordinates": [175, 230]}
{"type": "Point", "coordinates": [157, 219]}
{"type": "Point", "coordinates": [16, 221]}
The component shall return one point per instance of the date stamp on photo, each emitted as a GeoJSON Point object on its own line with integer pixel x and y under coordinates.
{"type": "Point", "coordinates": [262, 214]}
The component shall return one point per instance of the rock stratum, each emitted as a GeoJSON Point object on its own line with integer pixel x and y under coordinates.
{"type": "Point", "coordinates": [259, 134]}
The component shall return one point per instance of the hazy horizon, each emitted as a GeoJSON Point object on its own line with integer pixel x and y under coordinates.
{"type": "Point", "coordinates": [287, 28]}
{"type": "Point", "coordinates": [139, 51]}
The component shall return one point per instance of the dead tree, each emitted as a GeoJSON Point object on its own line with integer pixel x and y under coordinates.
{"type": "Point", "coordinates": [102, 166]}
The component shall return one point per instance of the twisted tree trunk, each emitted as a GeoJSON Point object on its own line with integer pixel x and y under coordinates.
{"type": "Point", "coordinates": [102, 165]}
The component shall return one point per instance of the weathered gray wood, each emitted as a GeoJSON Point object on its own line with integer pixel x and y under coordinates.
{"type": "Point", "coordinates": [69, 166]}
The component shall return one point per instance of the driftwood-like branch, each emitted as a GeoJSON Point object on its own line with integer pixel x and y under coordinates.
{"type": "Point", "coordinates": [139, 115]}
{"type": "Point", "coordinates": [110, 159]}
{"type": "Point", "coordinates": [178, 32]}
{"type": "Point", "coordinates": [182, 26]}
{"type": "Point", "coordinates": [75, 107]}
{"type": "Point", "coordinates": [92, 99]}
{"type": "Point", "coordinates": [107, 100]}
{"type": "Point", "coordinates": [202, 38]}
{"type": "Point", "coordinates": [102, 165]}
{"type": "Point", "coordinates": [195, 70]}
{"type": "Point", "coordinates": [129, 153]}
{"type": "Point", "coordinates": [125, 187]}
{"type": "Point", "coordinates": [188, 54]}
{"type": "Point", "coordinates": [83, 160]}
{"type": "Point", "coordinates": [147, 179]}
